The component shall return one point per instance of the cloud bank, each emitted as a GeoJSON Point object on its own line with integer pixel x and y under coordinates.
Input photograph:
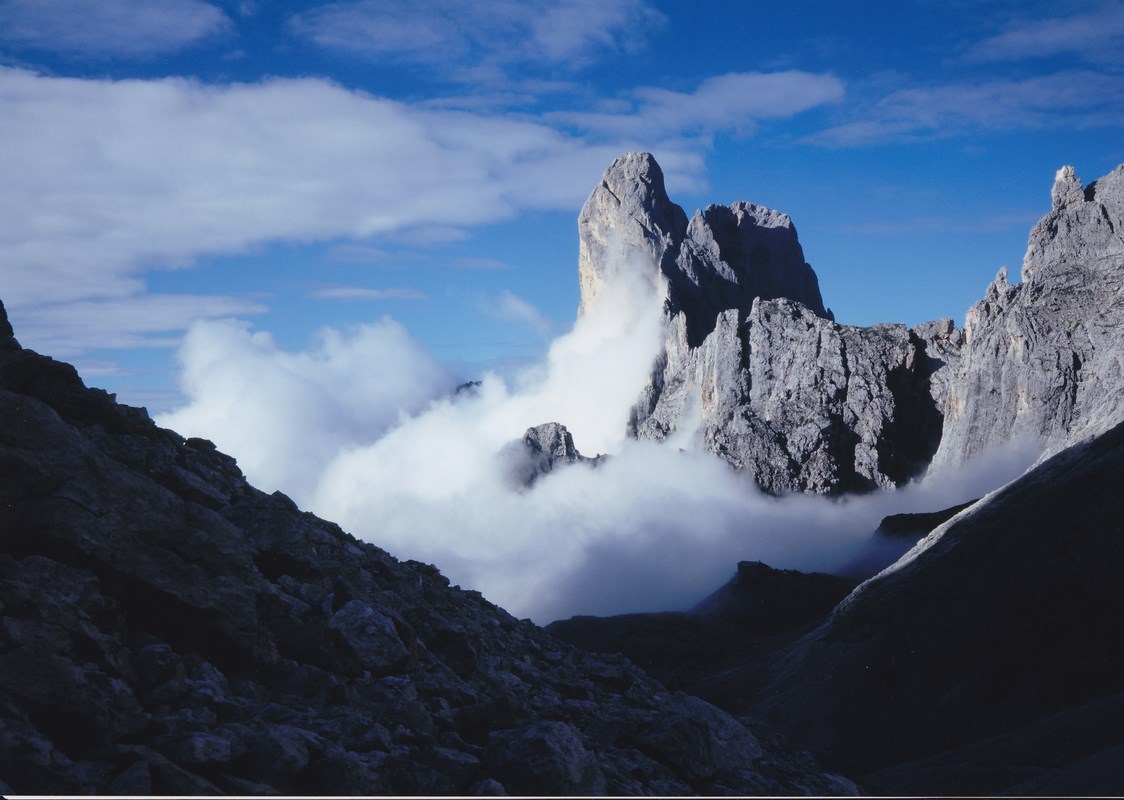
{"type": "Point", "coordinates": [553, 32]}
{"type": "Point", "coordinates": [110, 28]}
{"type": "Point", "coordinates": [365, 429]}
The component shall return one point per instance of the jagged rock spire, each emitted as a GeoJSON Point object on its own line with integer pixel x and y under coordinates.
{"type": "Point", "coordinates": [723, 258]}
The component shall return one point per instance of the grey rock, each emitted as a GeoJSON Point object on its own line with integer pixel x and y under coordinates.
{"type": "Point", "coordinates": [373, 636]}
{"type": "Point", "coordinates": [723, 258]}
{"type": "Point", "coordinates": [545, 756]}
{"type": "Point", "coordinates": [135, 779]}
{"type": "Point", "coordinates": [627, 227]}
{"type": "Point", "coordinates": [980, 643]}
{"type": "Point", "coordinates": [753, 367]}
{"type": "Point", "coordinates": [276, 753]}
{"type": "Point", "coordinates": [161, 614]}
{"type": "Point", "coordinates": [542, 449]}
{"type": "Point", "coordinates": [796, 400]}
{"type": "Point", "coordinates": [1041, 360]}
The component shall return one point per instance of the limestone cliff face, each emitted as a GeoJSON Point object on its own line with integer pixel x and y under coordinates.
{"type": "Point", "coordinates": [723, 258]}
{"type": "Point", "coordinates": [754, 368]}
{"type": "Point", "coordinates": [1042, 358]}
{"type": "Point", "coordinates": [801, 403]}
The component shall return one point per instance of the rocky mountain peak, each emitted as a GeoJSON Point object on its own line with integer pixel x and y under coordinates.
{"type": "Point", "coordinates": [627, 227]}
{"type": "Point", "coordinates": [722, 259]}
{"type": "Point", "coordinates": [1041, 359]}
{"type": "Point", "coordinates": [754, 364]}
{"type": "Point", "coordinates": [541, 450]}
{"type": "Point", "coordinates": [1067, 189]}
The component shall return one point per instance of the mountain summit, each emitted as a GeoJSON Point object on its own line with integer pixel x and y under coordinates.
{"type": "Point", "coordinates": [755, 369]}
{"type": "Point", "coordinates": [722, 258]}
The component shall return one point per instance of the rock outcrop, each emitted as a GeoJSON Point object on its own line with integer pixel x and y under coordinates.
{"type": "Point", "coordinates": [722, 645]}
{"type": "Point", "coordinates": [1044, 359]}
{"type": "Point", "coordinates": [796, 400]}
{"type": "Point", "coordinates": [541, 450]}
{"type": "Point", "coordinates": [167, 629]}
{"type": "Point", "coordinates": [753, 367]}
{"type": "Point", "coordinates": [755, 370]}
{"type": "Point", "coordinates": [723, 258]}
{"type": "Point", "coordinates": [989, 657]}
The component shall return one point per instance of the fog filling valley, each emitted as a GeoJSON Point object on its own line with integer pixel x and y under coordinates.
{"type": "Point", "coordinates": [365, 428]}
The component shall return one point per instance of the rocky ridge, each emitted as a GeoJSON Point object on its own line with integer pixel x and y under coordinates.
{"type": "Point", "coordinates": [756, 370]}
{"type": "Point", "coordinates": [999, 635]}
{"type": "Point", "coordinates": [540, 451]}
{"type": "Point", "coordinates": [167, 629]}
{"type": "Point", "coordinates": [1043, 359]}
{"type": "Point", "coordinates": [988, 659]}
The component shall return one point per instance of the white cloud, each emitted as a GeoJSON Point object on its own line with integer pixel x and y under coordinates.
{"type": "Point", "coordinates": [110, 28]}
{"type": "Point", "coordinates": [1094, 35]}
{"type": "Point", "coordinates": [1077, 99]}
{"type": "Point", "coordinates": [286, 416]}
{"type": "Point", "coordinates": [364, 293]}
{"type": "Point", "coordinates": [106, 180]}
{"type": "Point", "coordinates": [732, 102]}
{"type": "Point", "coordinates": [66, 330]}
{"type": "Point", "coordinates": [512, 308]}
{"type": "Point", "coordinates": [556, 32]}
{"type": "Point", "coordinates": [651, 528]}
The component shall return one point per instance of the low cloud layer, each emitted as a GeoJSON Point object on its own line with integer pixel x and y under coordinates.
{"type": "Point", "coordinates": [364, 429]}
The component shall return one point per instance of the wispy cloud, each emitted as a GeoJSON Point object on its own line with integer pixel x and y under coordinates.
{"type": "Point", "coordinates": [142, 320]}
{"type": "Point", "coordinates": [1076, 98]}
{"type": "Point", "coordinates": [1094, 35]}
{"type": "Point", "coordinates": [732, 102]}
{"type": "Point", "coordinates": [562, 32]}
{"type": "Point", "coordinates": [511, 308]}
{"type": "Point", "coordinates": [106, 180]}
{"type": "Point", "coordinates": [110, 28]}
{"type": "Point", "coordinates": [363, 293]}
{"type": "Point", "coordinates": [480, 262]}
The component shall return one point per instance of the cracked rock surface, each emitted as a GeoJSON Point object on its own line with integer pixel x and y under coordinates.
{"type": "Point", "coordinates": [754, 369]}
{"type": "Point", "coordinates": [167, 629]}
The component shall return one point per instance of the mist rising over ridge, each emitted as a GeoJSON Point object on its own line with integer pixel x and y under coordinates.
{"type": "Point", "coordinates": [755, 370]}
{"type": "Point", "coordinates": [159, 610]}
{"type": "Point", "coordinates": [773, 387]}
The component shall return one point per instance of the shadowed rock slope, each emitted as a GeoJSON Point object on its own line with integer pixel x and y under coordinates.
{"type": "Point", "coordinates": [987, 660]}
{"type": "Point", "coordinates": [1001, 631]}
{"type": "Point", "coordinates": [165, 628]}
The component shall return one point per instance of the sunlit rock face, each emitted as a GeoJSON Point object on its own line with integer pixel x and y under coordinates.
{"type": "Point", "coordinates": [1042, 359]}
{"type": "Point", "coordinates": [755, 370]}
{"type": "Point", "coordinates": [723, 258]}
{"type": "Point", "coordinates": [753, 367]}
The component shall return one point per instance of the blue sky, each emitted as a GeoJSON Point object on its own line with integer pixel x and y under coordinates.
{"type": "Point", "coordinates": [297, 165]}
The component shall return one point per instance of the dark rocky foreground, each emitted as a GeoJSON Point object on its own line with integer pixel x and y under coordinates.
{"type": "Point", "coordinates": [165, 628]}
{"type": "Point", "coordinates": [988, 660]}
